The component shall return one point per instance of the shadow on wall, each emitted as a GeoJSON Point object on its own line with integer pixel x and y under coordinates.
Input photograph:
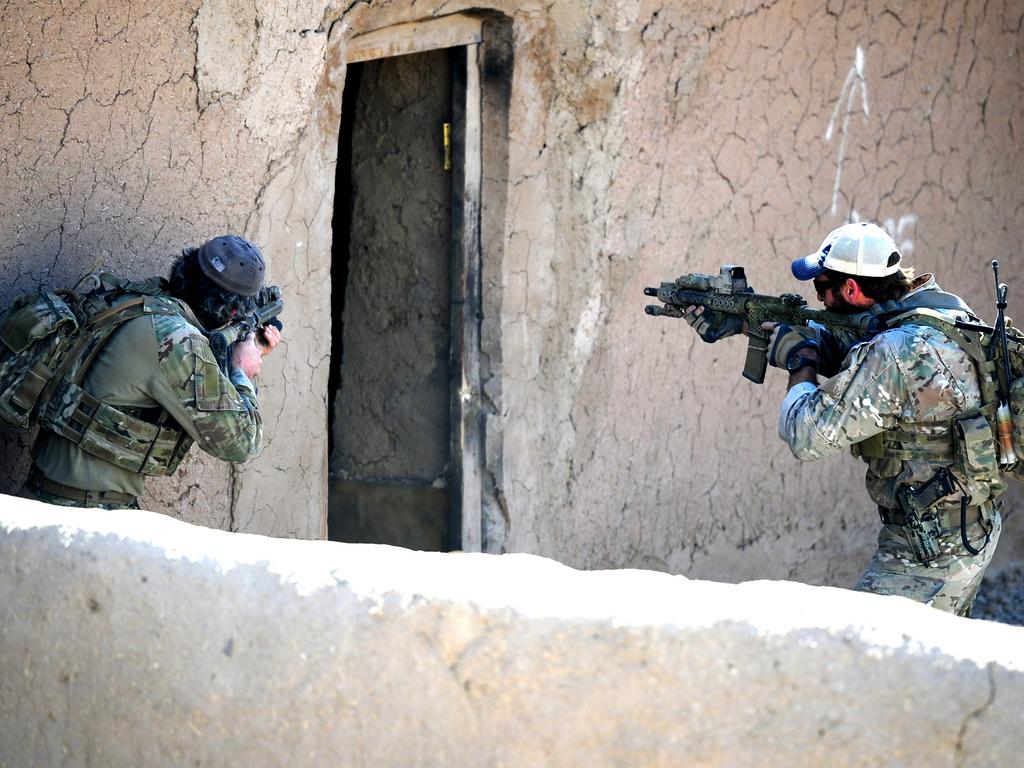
{"type": "Point", "coordinates": [15, 458]}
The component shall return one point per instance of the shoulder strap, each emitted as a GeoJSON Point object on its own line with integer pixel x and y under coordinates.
{"type": "Point", "coordinates": [95, 334]}
{"type": "Point", "coordinates": [928, 298]}
{"type": "Point", "coordinates": [935, 300]}
{"type": "Point", "coordinates": [168, 305]}
{"type": "Point", "coordinates": [150, 286]}
{"type": "Point", "coordinates": [969, 341]}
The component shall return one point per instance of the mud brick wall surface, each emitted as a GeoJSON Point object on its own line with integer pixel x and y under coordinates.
{"type": "Point", "coordinates": [644, 140]}
{"type": "Point", "coordinates": [132, 130]}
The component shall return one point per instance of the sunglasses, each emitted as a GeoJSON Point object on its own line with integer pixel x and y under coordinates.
{"type": "Point", "coordinates": [825, 284]}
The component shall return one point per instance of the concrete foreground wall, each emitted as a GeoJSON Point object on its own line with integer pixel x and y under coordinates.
{"type": "Point", "coordinates": [130, 638]}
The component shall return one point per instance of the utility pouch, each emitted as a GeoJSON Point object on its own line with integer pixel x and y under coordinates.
{"type": "Point", "coordinates": [1017, 415]}
{"type": "Point", "coordinates": [34, 333]}
{"type": "Point", "coordinates": [974, 448]}
{"type": "Point", "coordinates": [114, 435]}
{"type": "Point", "coordinates": [871, 448]}
{"type": "Point", "coordinates": [922, 526]}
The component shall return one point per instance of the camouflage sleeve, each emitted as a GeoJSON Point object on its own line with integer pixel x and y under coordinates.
{"type": "Point", "coordinates": [863, 399]}
{"type": "Point", "coordinates": [222, 414]}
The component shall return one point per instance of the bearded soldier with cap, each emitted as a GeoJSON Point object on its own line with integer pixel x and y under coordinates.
{"type": "Point", "coordinates": [156, 376]}
{"type": "Point", "coordinates": [907, 401]}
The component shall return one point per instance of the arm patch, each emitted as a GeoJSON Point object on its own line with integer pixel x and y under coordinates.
{"type": "Point", "coordinates": [213, 390]}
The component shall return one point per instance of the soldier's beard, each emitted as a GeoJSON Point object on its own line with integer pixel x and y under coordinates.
{"type": "Point", "coordinates": [843, 307]}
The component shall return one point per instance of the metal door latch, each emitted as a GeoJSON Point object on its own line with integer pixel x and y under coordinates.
{"type": "Point", "coordinates": [447, 146]}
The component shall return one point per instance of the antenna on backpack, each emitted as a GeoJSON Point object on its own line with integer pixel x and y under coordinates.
{"type": "Point", "coordinates": [1004, 422]}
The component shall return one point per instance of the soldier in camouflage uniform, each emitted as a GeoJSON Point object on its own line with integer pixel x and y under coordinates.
{"type": "Point", "coordinates": [907, 401]}
{"type": "Point", "coordinates": [157, 374]}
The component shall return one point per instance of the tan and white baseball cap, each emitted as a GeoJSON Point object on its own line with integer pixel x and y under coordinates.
{"type": "Point", "coordinates": [861, 248]}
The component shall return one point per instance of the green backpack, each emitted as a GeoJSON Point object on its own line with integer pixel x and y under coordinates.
{"type": "Point", "coordinates": [37, 333]}
{"type": "Point", "coordinates": [49, 339]}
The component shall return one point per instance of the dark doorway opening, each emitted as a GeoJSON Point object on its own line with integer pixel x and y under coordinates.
{"type": "Point", "coordinates": [390, 386]}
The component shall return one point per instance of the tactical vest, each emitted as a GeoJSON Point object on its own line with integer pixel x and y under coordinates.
{"type": "Point", "coordinates": [73, 330]}
{"type": "Point", "coordinates": [967, 443]}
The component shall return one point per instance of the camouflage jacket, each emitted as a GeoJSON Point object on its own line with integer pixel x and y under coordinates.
{"type": "Point", "coordinates": [152, 364]}
{"type": "Point", "coordinates": [895, 403]}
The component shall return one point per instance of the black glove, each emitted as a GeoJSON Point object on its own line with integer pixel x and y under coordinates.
{"type": "Point", "coordinates": [712, 326]}
{"type": "Point", "coordinates": [792, 348]}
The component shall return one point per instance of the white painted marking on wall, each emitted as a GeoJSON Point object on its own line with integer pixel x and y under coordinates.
{"type": "Point", "coordinates": [901, 230]}
{"type": "Point", "coordinates": [586, 327]}
{"type": "Point", "coordinates": [855, 82]}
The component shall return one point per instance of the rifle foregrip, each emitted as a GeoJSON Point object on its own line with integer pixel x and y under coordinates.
{"type": "Point", "coordinates": [668, 310]}
{"type": "Point", "coordinates": [757, 357]}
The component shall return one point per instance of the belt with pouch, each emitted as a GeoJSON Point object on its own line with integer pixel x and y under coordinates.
{"type": "Point", "coordinates": [40, 483]}
{"type": "Point", "coordinates": [947, 517]}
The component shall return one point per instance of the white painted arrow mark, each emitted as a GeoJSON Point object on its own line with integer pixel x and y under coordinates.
{"type": "Point", "coordinates": [854, 83]}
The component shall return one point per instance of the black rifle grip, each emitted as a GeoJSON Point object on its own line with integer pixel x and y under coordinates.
{"type": "Point", "coordinates": [221, 351]}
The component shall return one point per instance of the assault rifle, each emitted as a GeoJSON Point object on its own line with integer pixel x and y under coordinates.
{"type": "Point", "coordinates": [728, 293]}
{"type": "Point", "coordinates": [268, 306]}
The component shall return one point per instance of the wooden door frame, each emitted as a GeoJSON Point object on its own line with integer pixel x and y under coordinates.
{"type": "Point", "coordinates": [464, 32]}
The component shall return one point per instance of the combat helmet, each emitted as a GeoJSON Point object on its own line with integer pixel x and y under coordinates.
{"type": "Point", "coordinates": [233, 263]}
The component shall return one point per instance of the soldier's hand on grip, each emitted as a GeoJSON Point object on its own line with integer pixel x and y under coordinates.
{"type": "Point", "coordinates": [710, 325]}
{"type": "Point", "coordinates": [246, 356]}
{"type": "Point", "coordinates": [791, 347]}
{"type": "Point", "coordinates": [270, 337]}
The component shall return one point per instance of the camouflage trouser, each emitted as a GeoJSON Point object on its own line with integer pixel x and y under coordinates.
{"type": "Point", "coordinates": [950, 583]}
{"type": "Point", "coordinates": [62, 501]}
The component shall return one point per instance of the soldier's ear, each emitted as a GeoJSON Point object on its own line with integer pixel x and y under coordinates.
{"type": "Point", "coordinates": [854, 294]}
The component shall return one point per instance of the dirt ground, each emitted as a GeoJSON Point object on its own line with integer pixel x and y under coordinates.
{"type": "Point", "coordinates": [1001, 598]}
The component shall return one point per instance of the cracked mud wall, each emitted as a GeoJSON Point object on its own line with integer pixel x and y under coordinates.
{"type": "Point", "coordinates": [644, 140]}
{"type": "Point", "coordinates": [707, 141]}
{"type": "Point", "coordinates": [131, 130]}
{"type": "Point", "coordinates": [651, 139]}
{"type": "Point", "coordinates": [717, 148]}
